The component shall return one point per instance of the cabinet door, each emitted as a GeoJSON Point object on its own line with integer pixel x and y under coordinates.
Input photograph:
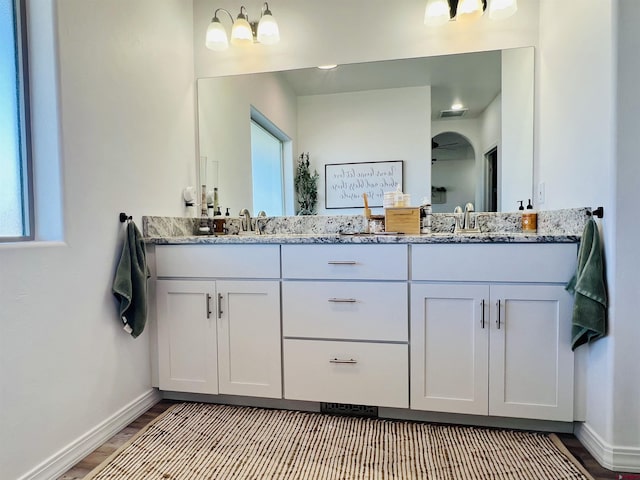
{"type": "Point", "coordinates": [249, 341]}
{"type": "Point", "coordinates": [187, 360]}
{"type": "Point", "coordinates": [531, 373]}
{"type": "Point", "coordinates": [449, 348]}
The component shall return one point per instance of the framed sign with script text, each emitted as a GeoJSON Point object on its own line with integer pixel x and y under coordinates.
{"type": "Point", "coordinates": [346, 182]}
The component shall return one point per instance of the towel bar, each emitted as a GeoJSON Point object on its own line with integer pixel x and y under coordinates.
{"type": "Point", "coordinates": [598, 212]}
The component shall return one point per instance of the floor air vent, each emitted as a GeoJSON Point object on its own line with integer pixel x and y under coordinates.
{"type": "Point", "coordinates": [349, 409]}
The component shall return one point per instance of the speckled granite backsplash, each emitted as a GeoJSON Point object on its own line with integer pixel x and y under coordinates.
{"type": "Point", "coordinates": [552, 222]}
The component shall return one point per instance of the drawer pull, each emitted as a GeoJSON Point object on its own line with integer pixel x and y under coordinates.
{"type": "Point", "coordinates": [220, 312]}
{"type": "Point", "coordinates": [482, 307]}
{"type": "Point", "coordinates": [498, 319]}
{"type": "Point", "coordinates": [339, 360]}
{"type": "Point", "coordinates": [343, 300]}
{"type": "Point", "coordinates": [342, 262]}
{"type": "Point", "coordinates": [208, 306]}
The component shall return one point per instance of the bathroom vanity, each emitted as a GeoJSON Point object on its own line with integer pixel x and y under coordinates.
{"type": "Point", "coordinates": [474, 325]}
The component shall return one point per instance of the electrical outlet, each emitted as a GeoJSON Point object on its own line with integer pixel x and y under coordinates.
{"type": "Point", "coordinates": [540, 192]}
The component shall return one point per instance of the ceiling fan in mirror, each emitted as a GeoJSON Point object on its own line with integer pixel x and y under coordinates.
{"type": "Point", "coordinates": [444, 146]}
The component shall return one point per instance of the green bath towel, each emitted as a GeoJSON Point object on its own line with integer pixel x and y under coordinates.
{"type": "Point", "coordinates": [588, 285]}
{"type": "Point", "coordinates": [130, 282]}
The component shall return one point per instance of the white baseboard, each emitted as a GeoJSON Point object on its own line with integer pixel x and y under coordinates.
{"type": "Point", "coordinates": [612, 457]}
{"type": "Point", "coordinates": [68, 456]}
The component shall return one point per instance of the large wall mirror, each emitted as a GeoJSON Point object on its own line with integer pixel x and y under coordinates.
{"type": "Point", "coordinates": [374, 112]}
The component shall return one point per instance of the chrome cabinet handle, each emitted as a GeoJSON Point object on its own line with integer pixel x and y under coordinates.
{"type": "Point", "coordinates": [220, 305]}
{"type": "Point", "coordinates": [339, 360]}
{"type": "Point", "coordinates": [342, 262]}
{"type": "Point", "coordinates": [342, 300]}
{"type": "Point", "coordinates": [482, 318]}
{"type": "Point", "coordinates": [208, 306]}
{"type": "Point", "coordinates": [498, 319]}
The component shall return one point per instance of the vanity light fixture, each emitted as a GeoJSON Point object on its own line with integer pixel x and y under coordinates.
{"type": "Point", "coordinates": [439, 12]}
{"type": "Point", "coordinates": [243, 32]}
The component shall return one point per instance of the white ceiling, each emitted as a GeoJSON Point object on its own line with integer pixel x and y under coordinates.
{"type": "Point", "coordinates": [472, 79]}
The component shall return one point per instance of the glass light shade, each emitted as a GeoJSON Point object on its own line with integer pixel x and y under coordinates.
{"type": "Point", "coordinates": [268, 32]}
{"type": "Point", "coordinates": [241, 32]}
{"type": "Point", "coordinates": [436, 13]}
{"type": "Point", "coordinates": [216, 38]}
{"type": "Point", "coordinates": [469, 10]}
{"type": "Point", "coordinates": [501, 9]}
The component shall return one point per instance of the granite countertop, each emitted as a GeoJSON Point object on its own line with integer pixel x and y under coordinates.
{"type": "Point", "coordinates": [362, 239]}
{"type": "Point", "coordinates": [557, 226]}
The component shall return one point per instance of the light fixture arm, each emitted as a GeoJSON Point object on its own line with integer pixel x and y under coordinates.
{"type": "Point", "coordinates": [265, 9]}
{"type": "Point", "coordinates": [245, 15]}
{"type": "Point", "coordinates": [215, 14]}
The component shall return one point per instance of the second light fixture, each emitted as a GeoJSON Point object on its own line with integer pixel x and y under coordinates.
{"type": "Point", "coordinates": [243, 32]}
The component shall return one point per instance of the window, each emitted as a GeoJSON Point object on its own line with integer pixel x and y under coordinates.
{"type": "Point", "coordinates": [269, 147]}
{"type": "Point", "coordinates": [16, 218]}
{"type": "Point", "coordinates": [266, 165]}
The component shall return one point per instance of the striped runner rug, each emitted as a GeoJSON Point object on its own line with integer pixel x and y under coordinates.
{"type": "Point", "coordinates": [207, 441]}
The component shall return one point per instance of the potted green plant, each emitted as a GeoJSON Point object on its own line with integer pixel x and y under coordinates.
{"type": "Point", "coordinates": [306, 185]}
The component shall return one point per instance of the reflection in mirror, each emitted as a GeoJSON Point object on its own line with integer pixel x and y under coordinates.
{"type": "Point", "coordinates": [453, 171]}
{"type": "Point", "coordinates": [267, 165]}
{"type": "Point", "coordinates": [377, 111]}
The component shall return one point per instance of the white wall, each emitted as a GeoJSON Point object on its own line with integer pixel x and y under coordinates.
{"type": "Point", "coordinates": [369, 126]}
{"type": "Point", "coordinates": [127, 141]}
{"type": "Point", "coordinates": [626, 324]}
{"type": "Point", "coordinates": [490, 137]}
{"type": "Point", "coordinates": [516, 152]}
{"type": "Point", "coordinates": [587, 155]}
{"type": "Point", "coordinates": [575, 157]}
{"type": "Point", "coordinates": [225, 133]}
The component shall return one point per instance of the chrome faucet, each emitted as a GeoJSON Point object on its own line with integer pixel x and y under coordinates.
{"type": "Point", "coordinates": [466, 219]}
{"type": "Point", "coordinates": [260, 226]}
{"type": "Point", "coordinates": [467, 223]}
{"type": "Point", "coordinates": [245, 220]}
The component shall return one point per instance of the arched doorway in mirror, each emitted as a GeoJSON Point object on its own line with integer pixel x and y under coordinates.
{"type": "Point", "coordinates": [453, 172]}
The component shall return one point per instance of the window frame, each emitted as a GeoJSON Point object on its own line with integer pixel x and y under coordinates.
{"type": "Point", "coordinates": [24, 122]}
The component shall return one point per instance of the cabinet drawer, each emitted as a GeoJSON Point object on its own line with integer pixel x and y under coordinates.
{"type": "Point", "coordinates": [373, 373]}
{"type": "Point", "coordinates": [345, 310]}
{"type": "Point", "coordinates": [367, 262]}
{"type": "Point", "coordinates": [220, 261]}
{"type": "Point", "coordinates": [518, 262]}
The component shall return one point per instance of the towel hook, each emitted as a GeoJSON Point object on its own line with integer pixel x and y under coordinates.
{"type": "Point", "coordinates": [124, 217]}
{"type": "Point", "coordinates": [598, 212]}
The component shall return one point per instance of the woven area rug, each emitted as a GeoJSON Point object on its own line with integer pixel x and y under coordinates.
{"type": "Point", "coordinates": [208, 441]}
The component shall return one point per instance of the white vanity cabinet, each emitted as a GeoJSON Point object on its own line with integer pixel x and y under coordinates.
{"type": "Point", "coordinates": [344, 317]}
{"type": "Point", "coordinates": [187, 336]}
{"type": "Point", "coordinates": [491, 328]}
{"type": "Point", "coordinates": [218, 313]}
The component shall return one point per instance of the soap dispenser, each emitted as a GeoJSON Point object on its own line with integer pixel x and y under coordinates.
{"type": "Point", "coordinates": [529, 219]}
